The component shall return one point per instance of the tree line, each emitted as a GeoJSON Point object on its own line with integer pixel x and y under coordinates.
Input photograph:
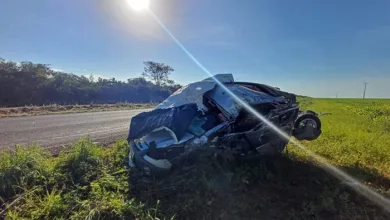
{"type": "Point", "coordinates": [28, 83]}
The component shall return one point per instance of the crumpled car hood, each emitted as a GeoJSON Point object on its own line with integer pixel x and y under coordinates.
{"type": "Point", "coordinates": [230, 107]}
{"type": "Point", "coordinates": [194, 92]}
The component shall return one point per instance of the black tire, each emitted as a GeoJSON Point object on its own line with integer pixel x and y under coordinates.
{"type": "Point", "coordinates": [303, 133]}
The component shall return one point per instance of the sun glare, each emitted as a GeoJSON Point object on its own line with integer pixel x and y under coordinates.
{"type": "Point", "coordinates": [138, 4]}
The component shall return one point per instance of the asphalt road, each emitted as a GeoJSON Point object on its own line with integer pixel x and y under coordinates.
{"type": "Point", "coordinates": [53, 131]}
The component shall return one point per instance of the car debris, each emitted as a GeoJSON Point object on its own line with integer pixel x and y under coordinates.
{"type": "Point", "coordinates": [203, 114]}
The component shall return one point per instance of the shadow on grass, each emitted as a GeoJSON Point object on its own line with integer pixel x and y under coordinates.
{"type": "Point", "coordinates": [270, 188]}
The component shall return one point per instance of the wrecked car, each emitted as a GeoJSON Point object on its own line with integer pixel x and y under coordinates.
{"type": "Point", "coordinates": [208, 114]}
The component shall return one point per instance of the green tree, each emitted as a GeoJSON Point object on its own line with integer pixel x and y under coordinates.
{"type": "Point", "coordinates": [158, 73]}
{"type": "Point", "coordinates": [27, 83]}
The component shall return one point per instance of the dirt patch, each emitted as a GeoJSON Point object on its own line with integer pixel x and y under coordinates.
{"type": "Point", "coordinates": [24, 110]}
{"type": "Point", "coordinates": [3, 112]}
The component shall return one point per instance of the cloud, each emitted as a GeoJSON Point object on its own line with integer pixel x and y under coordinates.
{"type": "Point", "coordinates": [77, 70]}
{"type": "Point", "coordinates": [71, 70]}
{"type": "Point", "coordinates": [83, 70]}
{"type": "Point", "coordinates": [96, 76]}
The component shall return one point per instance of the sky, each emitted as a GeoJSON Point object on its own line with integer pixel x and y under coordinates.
{"type": "Point", "coordinates": [314, 48]}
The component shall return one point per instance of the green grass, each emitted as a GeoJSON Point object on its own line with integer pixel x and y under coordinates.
{"type": "Point", "coordinates": [88, 182]}
{"type": "Point", "coordinates": [356, 134]}
{"type": "Point", "coordinates": [94, 182]}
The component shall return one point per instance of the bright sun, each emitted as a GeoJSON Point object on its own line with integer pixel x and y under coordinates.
{"type": "Point", "coordinates": [138, 4]}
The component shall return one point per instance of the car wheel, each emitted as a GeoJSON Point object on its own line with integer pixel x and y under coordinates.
{"type": "Point", "coordinates": [307, 127]}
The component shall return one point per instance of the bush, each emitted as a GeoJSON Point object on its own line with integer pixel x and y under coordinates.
{"type": "Point", "coordinates": [26, 168]}
{"type": "Point", "coordinates": [82, 163]}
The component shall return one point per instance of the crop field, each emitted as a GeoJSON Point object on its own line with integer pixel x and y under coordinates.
{"type": "Point", "coordinates": [89, 181]}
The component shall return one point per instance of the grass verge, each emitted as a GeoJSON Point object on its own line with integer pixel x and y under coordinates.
{"type": "Point", "coordinates": [356, 134]}
{"type": "Point", "coordinates": [64, 109]}
{"type": "Point", "coordinates": [93, 182]}
{"type": "Point", "coordinates": [87, 182]}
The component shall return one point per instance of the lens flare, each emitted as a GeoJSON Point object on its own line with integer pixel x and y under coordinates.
{"type": "Point", "coordinates": [333, 170]}
{"type": "Point", "coordinates": [138, 4]}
